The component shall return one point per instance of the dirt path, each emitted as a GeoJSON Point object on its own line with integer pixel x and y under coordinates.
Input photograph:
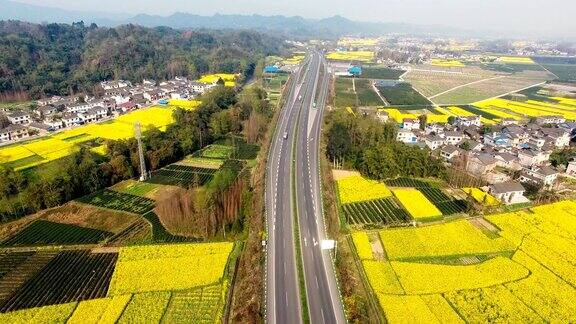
{"type": "Point", "coordinates": [378, 93]}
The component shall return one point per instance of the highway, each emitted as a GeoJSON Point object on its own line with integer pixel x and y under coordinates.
{"type": "Point", "coordinates": [293, 178]}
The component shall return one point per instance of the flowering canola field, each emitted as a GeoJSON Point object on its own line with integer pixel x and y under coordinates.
{"type": "Point", "coordinates": [417, 205]}
{"type": "Point", "coordinates": [183, 281]}
{"type": "Point", "coordinates": [64, 143]}
{"type": "Point", "coordinates": [357, 188]}
{"type": "Point", "coordinates": [228, 78]}
{"type": "Point", "coordinates": [361, 56]}
{"type": "Point", "coordinates": [456, 273]}
{"type": "Point", "coordinates": [447, 63]}
{"type": "Point", "coordinates": [481, 196]}
{"type": "Point", "coordinates": [529, 108]}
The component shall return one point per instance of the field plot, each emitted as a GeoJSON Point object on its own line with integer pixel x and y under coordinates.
{"type": "Point", "coordinates": [228, 78]}
{"type": "Point", "coordinates": [402, 94]}
{"type": "Point", "coordinates": [435, 80]}
{"type": "Point", "coordinates": [344, 95]}
{"type": "Point", "coordinates": [447, 63]}
{"type": "Point", "coordinates": [366, 94]}
{"type": "Point", "coordinates": [39, 151]}
{"type": "Point", "coordinates": [42, 232]}
{"type": "Point", "coordinates": [356, 56]}
{"type": "Point", "coordinates": [488, 89]}
{"type": "Point", "coordinates": [481, 196]}
{"type": "Point", "coordinates": [241, 149]}
{"type": "Point", "coordinates": [409, 183]}
{"type": "Point", "coordinates": [417, 205]}
{"type": "Point", "coordinates": [119, 201]}
{"type": "Point", "coordinates": [381, 73]}
{"type": "Point", "coordinates": [385, 211]}
{"type": "Point", "coordinates": [446, 204]}
{"type": "Point", "coordinates": [136, 188]}
{"type": "Point", "coordinates": [70, 276]}
{"type": "Point", "coordinates": [530, 108]}
{"type": "Point", "coordinates": [200, 305]}
{"type": "Point", "coordinates": [356, 188]}
{"type": "Point", "coordinates": [182, 175]}
{"type": "Point", "coordinates": [169, 267]}
{"type": "Point", "coordinates": [453, 272]}
{"type": "Point", "coordinates": [215, 151]}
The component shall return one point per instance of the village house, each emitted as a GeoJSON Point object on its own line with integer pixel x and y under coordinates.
{"type": "Point", "coordinates": [410, 124]}
{"type": "Point", "coordinates": [45, 111]}
{"type": "Point", "coordinates": [480, 164]}
{"type": "Point", "coordinates": [571, 169]}
{"type": "Point", "coordinates": [507, 160]}
{"type": "Point", "coordinates": [558, 136]}
{"type": "Point", "coordinates": [13, 132]}
{"type": "Point", "coordinates": [550, 120]}
{"type": "Point", "coordinates": [467, 121]}
{"type": "Point", "coordinates": [71, 119]}
{"type": "Point", "coordinates": [542, 176]}
{"type": "Point", "coordinates": [531, 157]}
{"type": "Point", "coordinates": [406, 136]}
{"type": "Point", "coordinates": [510, 192]}
{"type": "Point", "coordinates": [433, 141]}
{"type": "Point", "coordinates": [449, 152]}
{"type": "Point", "coordinates": [434, 129]}
{"type": "Point", "coordinates": [453, 137]}
{"type": "Point", "coordinates": [115, 84]}
{"type": "Point", "coordinates": [19, 118]}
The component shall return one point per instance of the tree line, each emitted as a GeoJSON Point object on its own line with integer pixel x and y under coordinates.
{"type": "Point", "coordinates": [222, 112]}
{"type": "Point", "coordinates": [61, 59]}
{"type": "Point", "coordinates": [369, 146]}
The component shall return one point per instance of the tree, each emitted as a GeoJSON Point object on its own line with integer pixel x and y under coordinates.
{"type": "Point", "coordinates": [465, 145]}
{"type": "Point", "coordinates": [423, 121]}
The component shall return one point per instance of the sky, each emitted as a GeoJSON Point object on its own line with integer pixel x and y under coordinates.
{"type": "Point", "coordinates": [511, 15]}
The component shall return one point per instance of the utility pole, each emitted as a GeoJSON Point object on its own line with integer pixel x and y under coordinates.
{"type": "Point", "coordinates": [138, 133]}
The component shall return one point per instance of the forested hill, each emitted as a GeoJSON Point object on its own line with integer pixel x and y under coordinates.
{"type": "Point", "coordinates": [60, 58]}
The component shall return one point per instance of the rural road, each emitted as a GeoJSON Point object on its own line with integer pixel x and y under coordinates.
{"type": "Point", "coordinates": [293, 178]}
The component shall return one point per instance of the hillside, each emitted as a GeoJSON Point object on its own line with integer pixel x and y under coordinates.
{"type": "Point", "coordinates": [56, 59]}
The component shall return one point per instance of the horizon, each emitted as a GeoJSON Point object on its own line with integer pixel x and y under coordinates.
{"type": "Point", "coordinates": [449, 13]}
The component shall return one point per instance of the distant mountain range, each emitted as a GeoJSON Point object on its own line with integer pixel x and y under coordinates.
{"type": "Point", "coordinates": [292, 26]}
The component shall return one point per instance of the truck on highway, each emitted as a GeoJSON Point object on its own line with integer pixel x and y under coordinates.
{"type": "Point", "coordinates": [300, 98]}
{"type": "Point", "coordinates": [314, 105]}
{"type": "Point", "coordinates": [285, 136]}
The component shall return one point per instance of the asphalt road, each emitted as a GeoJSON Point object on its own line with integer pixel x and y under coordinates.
{"type": "Point", "coordinates": [297, 155]}
{"type": "Point", "coordinates": [282, 289]}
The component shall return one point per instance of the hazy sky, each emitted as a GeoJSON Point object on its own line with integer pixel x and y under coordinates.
{"type": "Point", "coordinates": [528, 15]}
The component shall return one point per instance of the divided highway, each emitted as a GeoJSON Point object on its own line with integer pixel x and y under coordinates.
{"type": "Point", "coordinates": [293, 190]}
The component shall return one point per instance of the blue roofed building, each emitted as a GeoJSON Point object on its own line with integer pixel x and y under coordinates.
{"type": "Point", "coordinates": [355, 70]}
{"type": "Point", "coordinates": [271, 69]}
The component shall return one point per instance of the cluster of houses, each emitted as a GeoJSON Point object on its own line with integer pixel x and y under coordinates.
{"type": "Point", "coordinates": [118, 97]}
{"type": "Point", "coordinates": [509, 156]}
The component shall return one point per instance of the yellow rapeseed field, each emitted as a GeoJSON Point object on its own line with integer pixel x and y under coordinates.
{"type": "Point", "coordinates": [515, 60]}
{"type": "Point", "coordinates": [481, 196]}
{"type": "Point", "coordinates": [168, 267]}
{"type": "Point", "coordinates": [357, 188]}
{"type": "Point", "coordinates": [228, 78]}
{"type": "Point", "coordinates": [361, 56]}
{"type": "Point", "coordinates": [66, 142]}
{"type": "Point", "coordinates": [441, 240]}
{"type": "Point", "coordinates": [416, 277]}
{"type": "Point", "coordinates": [447, 63]}
{"type": "Point", "coordinates": [363, 246]}
{"type": "Point", "coordinates": [417, 205]}
{"type": "Point", "coordinates": [454, 273]}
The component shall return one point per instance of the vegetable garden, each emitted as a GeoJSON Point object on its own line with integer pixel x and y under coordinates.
{"type": "Point", "coordinates": [446, 204]}
{"type": "Point", "coordinates": [42, 232]}
{"type": "Point", "coordinates": [70, 276]}
{"type": "Point", "coordinates": [182, 175]}
{"type": "Point", "coordinates": [384, 211]}
{"type": "Point", "coordinates": [119, 201]}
